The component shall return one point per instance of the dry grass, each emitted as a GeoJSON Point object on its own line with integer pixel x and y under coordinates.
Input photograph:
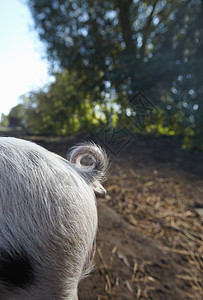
{"type": "Point", "coordinates": [158, 207]}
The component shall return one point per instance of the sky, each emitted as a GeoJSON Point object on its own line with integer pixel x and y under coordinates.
{"type": "Point", "coordinates": [22, 67]}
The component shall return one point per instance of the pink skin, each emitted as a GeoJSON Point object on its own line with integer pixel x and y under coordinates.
{"type": "Point", "coordinates": [91, 255]}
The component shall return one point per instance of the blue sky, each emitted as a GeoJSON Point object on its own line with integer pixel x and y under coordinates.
{"type": "Point", "coordinates": [21, 65]}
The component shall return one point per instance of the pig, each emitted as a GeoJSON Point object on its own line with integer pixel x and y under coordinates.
{"type": "Point", "coordinates": [48, 218]}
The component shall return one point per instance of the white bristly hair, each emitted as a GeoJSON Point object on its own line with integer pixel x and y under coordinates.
{"type": "Point", "coordinates": [48, 219]}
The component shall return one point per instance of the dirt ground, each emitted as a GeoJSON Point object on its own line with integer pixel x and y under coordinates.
{"type": "Point", "coordinates": [150, 242]}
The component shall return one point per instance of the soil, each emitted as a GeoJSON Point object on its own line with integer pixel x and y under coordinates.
{"type": "Point", "coordinates": [130, 265]}
{"type": "Point", "coordinates": [149, 242]}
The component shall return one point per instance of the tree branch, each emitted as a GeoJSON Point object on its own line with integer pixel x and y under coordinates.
{"type": "Point", "coordinates": [147, 27]}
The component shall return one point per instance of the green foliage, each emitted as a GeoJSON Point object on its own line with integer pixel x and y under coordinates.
{"type": "Point", "coordinates": [111, 49]}
{"type": "Point", "coordinates": [17, 112]}
{"type": "Point", "coordinates": [4, 120]}
{"type": "Point", "coordinates": [60, 109]}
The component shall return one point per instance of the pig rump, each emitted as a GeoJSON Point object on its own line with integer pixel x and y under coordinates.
{"type": "Point", "coordinates": [48, 219]}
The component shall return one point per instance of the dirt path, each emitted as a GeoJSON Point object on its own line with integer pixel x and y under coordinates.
{"type": "Point", "coordinates": [150, 237]}
{"type": "Point", "coordinates": [150, 241]}
{"type": "Point", "coordinates": [130, 265]}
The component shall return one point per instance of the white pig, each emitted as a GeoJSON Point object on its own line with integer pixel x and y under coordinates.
{"type": "Point", "coordinates": [48, 219]}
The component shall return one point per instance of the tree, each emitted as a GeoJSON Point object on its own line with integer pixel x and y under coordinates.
{"type": "Point", "coordinates": [60, 109]}
{"type": "Point", "coordinates": [17, 111]}
{"type": "Point", "coordinates": [4, 120]}
{"type": "Point", "coordinates": [121, 46]}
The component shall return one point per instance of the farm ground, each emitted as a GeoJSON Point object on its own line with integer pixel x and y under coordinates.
{"type": "Point", "coordinates": [149, 243]}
